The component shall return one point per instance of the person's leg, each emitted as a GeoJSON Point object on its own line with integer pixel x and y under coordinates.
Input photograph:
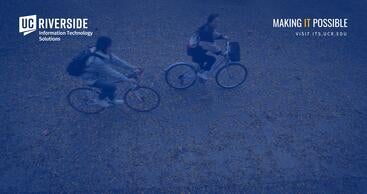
{"type": "Point", "coordinates": [209, 62]}
{"type": "Point", "coordinates": [199, 60]}
{"type": "Point", "coordinates": [107, 89]}
{"type": "Point", "coordinates": [199, 57]}
{"type": "Point", "coordinates": [206, 66]}
{"type": "Point", "coordinates": [201, 65]}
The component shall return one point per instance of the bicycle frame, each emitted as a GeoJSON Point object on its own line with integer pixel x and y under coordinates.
{"type": "Point", "coordinates": [224, 59]}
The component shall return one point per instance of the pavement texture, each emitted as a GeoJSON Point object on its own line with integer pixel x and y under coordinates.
{"type": "Point", "coordinates": [298, 124]}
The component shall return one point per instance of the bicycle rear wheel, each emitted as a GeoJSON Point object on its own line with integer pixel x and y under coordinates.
{"type": "Point", "coordinates": [83, 100]}
{"type": "Point", "coordinates": [142, 99]}
{"type": "Point", "coordinates": [181, 76]}
{"type": "Point", "coordinates": [231, 75]}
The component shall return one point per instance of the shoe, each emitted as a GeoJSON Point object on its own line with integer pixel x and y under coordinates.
{"type": "Point", "coordinates": [118, 101]}
{"type": "Point", "coordinates": [203, 75]}
{"type": "Point", "coordinates": [103, 103]}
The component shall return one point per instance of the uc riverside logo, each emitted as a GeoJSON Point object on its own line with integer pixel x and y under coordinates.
{"type": "Point", "coordinates": [53, 29]}
{"type": "Point", "coordinates": [27, 24]}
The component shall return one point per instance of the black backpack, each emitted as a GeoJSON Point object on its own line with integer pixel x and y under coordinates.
{"type": "Point", "coordinates": [77, 66]}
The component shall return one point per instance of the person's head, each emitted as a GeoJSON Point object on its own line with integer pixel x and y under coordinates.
{"type": "Point", "coordinates": [103, 44]}
{"type": "Point", "coordinates": [212, 20]}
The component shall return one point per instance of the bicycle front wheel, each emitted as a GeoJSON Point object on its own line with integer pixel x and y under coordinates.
{"type": "Point", "coordinates": [142, 99]}
{"type": "Point", "coordinates": [181, 76]}
{"type": "Point", "coordinates": [83, 100]}
{"type": "Point", "coordinates": [231, 75]}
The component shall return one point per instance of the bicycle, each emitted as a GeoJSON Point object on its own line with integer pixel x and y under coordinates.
{"type": "Point", "coordinates": [138, 98]}
{"type": "Point", "coordinates": [231, 74]}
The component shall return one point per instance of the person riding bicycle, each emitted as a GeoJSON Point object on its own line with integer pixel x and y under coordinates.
{"type": "Point", "coordinates": [100, 74]}
{"type": "Point", "coordinates": [205, 37]}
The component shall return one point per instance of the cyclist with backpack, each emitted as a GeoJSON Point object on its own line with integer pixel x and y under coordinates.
{"type": "Point", "coordinates": [202, 42]}
{"type": "Point", "coordinates": [94, 66]}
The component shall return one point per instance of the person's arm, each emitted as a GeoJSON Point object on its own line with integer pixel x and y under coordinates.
{"type": "Point", "coordinates": [219, 36]}
{"type": "Point", "coordinates": [102, 68]}
{"type": "Point", "coordinates": [113, 73]}
{"type": "Point", "coordinates": [209, 46]}
{"type": "Point", "coordinates": [118, 61]}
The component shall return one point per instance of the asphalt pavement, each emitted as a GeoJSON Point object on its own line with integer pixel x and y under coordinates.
{"type": "Point", "coordinates": [297, 125]}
